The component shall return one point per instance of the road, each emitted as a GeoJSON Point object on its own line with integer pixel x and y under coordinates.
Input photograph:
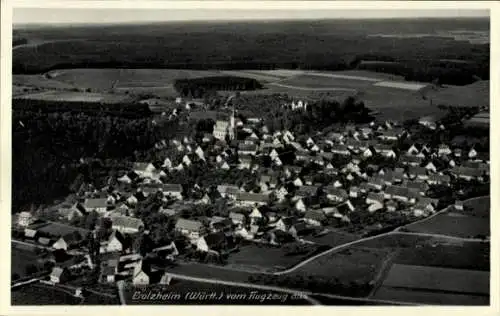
{"type": "Point", "coordinates": [394, 232]}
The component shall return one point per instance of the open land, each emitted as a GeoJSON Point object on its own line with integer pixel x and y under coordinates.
{"type": "Point", "coordinates": [472, 223]}
{"type": "Point", "coordinates": [421, 283]}
{"type": "Point", "coordinates": [40, 294]}
{"type": "Point", "coordinates": [21, 258]}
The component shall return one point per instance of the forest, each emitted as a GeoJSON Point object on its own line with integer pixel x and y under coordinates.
{"type": "Point", "coordinates": [198, 87]}
{"type": "Point", "coordinates": [309, 45]}
{"type": "Point", "coordinates": [47, 146]}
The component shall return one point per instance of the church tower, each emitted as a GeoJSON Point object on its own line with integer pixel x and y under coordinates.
{"type": "Point", "coordinates": [231, 127]}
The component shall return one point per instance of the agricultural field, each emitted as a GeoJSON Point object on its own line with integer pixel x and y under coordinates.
{"type": "Point", "coordinates": [474, 221]}
{"type": "Point", "coordinates": [352, 264]}
{"type": "Point", "coordinates": [39, 81]}
{"type": "Point", "coordinates": [177, 292]}
{"type": "Point", "coordinates": [72, 96]}
{"type": "Point", "coordinates": [317, 81]}
{"type": "Point", "coordinates": [107, 79]}
{"type": "Point", "coordinates": [333, 238]}
{"type": "Point", "coordinates": [21, 258]}
{"type": "Point", "coordinates": [468, 255]}
{"type": "Point", "coordinates": [40, 294]}
{"type": "Point", "coordinates": [403, 281]}
{"type": "Point", "coordinates": [263, 259]}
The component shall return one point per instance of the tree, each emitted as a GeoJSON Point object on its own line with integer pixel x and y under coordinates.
{"type": "Point", "coordinates": [31, 269]}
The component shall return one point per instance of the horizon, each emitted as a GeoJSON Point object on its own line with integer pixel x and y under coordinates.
{"type": "Point", "coordinates": [81, 17]}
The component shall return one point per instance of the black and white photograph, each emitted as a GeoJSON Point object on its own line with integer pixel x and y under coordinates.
{"type": "Point", "coordinates": [291, 157]}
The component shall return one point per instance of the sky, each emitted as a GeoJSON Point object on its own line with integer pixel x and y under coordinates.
{"type": "Point", "coordinates": [23, 16]}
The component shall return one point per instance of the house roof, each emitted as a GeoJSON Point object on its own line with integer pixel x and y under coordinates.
{"type": "Point", "coordinates": [236, 216]}
{"type": "Point", "coordinates": [473, 172]}
{"type": "Point", "coordinates": [247, 147]}
{"type": "Point", "coordinates": [252, 197]}
{"type": "Point", "coordinates": [95, 203]}
{"type": "Point", "coordinates": [189, 225]}
{"type": "Point", "coordinates": [397, 190]}
{"type": "Point", "coordinates": [288, 221]}
{"type": "Point", "coordinates": [317, 215]}
{"type": "Point", "coordinates": [307, 190]}
{"type": "Point", "coordinates": [57, 272]}
{"type": "Point", "coordinates": [215, 240]}
{"type": "Point", "coordinates": [331, 190]}
{"type": "Point", "coordinates": [375, 196]}
{"type": "Point", "coordinates": [127, 221]}
{"type": "Point", "coordinates": [439, 177]}
{"type": "Point", "coordinates": [141, 166]}
{"type": "Point", "coordinates": [417, 170]}
{"type": "Point", "coordinates": [421, 186]}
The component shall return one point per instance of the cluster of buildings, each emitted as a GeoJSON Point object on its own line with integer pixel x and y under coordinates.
{"type": "Point", "coordinates": [359, 169]}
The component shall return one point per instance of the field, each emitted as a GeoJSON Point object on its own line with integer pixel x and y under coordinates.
{"type": "Point", "coordinates": [252, 257]}
{"type": "Point", "coordinates": [466, 224]}
{"type": "Point", "coordinates": [419, 284]}
{"type": "Point", "coordinates": [178, 292]}
{"type": "Point", "coordinates": [20, 259]}
{"type": "Point", "coordinates": [333, 238]}
{"type": "Point", "coordinates": [353, 264]}
{"type": "Point", "coordinates": [70, 96]}
{"type": "Point", "coordinates": [39, 294]}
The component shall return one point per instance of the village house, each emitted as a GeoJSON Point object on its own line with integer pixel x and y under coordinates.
{"type": "Point", "coordinates": [298, 229]}
{"type": "Point", "coordinates": [145, 170]}
{"type": "Point", "coordinates": [306, 191]}
{"type": "Point", "coordinates": [68, 241]}
{"type": "Point", "coordinates": [444, 150]}
{"type": "Point", "coordinates": [220, 224]}
{"type": "Point", "coordinates": [315, 217]}
{"type": "Point", "coordinates": [247, 149]}
{"type": "Point", "coordinates": [280, 193]}
{"type": "Point", "coordinates": [25, 219]}
{"type": "Point", "coordinates": [237, 218]}
{"type": "Point", "coordinates": [300, 205]}
{"type": "Point", "coordinates": [167, 252]}
{"type": "Point", "coordinates": [285, 223]}
{"type": "Point", "coordinates": [341, 150]}
{"type": "Point", "coordinates": [245, 161]}
{"type": "Point", "coordinates": [411, 161]}
{"type": "Point", "coordinates": [59, 275]}
{"type": "Point", "coordinates": [109, 269]}
{"type": "Point", "coordinates": [417, 173]}
{"type": "Point", "coordinates": [375, 201]}
{"type": "Point", "coordinates": [385, 150]}
{"type": "Point", "coordinates": [127, 224]}
{"type": "Point", "coordinates": [376, 183]}
{"type": "Point", "coordinates": [397, 193]}
{"type": "Point", "coordinates": [468, 174]}
{"type": "Point", "coordinates": [141, 275]}
{"type": "Point", "coordinates": [114, 243]}
{"type": "Point", "coordinates": [336, 194]}
{"type": "Point", "coordinates": [417, 187]}
{"type": "Point", "coordinates": [228, 191]}
{"type": "Point", "coordinates": [190, 228]}
{"type": "Point", "coordinates": [438, 179]}
{"type": "Point", "coordinates": [252, 199]}
{"type": "Point", "coordinates": [391, 206]}
{"type": "Point", "coordinates": [255, 216]}
{"type": "Point", "coordinates": [213, 242]}
{"type": "Point", "coordinates": [99, 205]}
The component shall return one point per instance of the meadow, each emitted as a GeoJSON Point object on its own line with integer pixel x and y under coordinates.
{"type": "Point", "coordinates": [474, 221]}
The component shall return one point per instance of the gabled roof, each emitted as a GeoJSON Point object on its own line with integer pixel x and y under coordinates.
{"type": "Point", "coordinates": [127, 221]}
{"type": "Point", "coordinates": [316, 215]}
{"type": "Point", "coordinates": [57, 272]}
{"type": "Point", "coordinates": [141, 166]}
{"type": "Point", "coordinates": [331, 190]}
{"type": "Point", "coordinates": [397, 190]}
{"type": "Point", "coordinates": [417, 170]}
{"type": "Point", "coordinates": [236, 216]}
{"type": "Point", "coordinates": [376, 196]}
{"type": "Point", "coordinates": [189, 225]}
{"type": "Point", "coordinates": [307, 190]}
{"type": "Point", "coordinates": [252, 197]}
{"type": "Point", "coordinates": [95, 203]}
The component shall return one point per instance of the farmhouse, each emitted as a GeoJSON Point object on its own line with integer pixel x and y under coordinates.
{"type": "Point", "coordinates": [336, 194]}
{"type": "Point", "coordinates": [114, 243]}
{"type": "Point", "coordinates": [251, 199]}
{"type": "Point", "coordinates": [214, 242]}
{"type": "Point", "coordinates": [99, 205]}
{"type": "Point", "coordinates": [127, 224]}
{"type": "Point", "coordinates": [190, 228]}
{"type": "Point", "coordinates": [145, 170]}
{"type": "Point", "coordinates": [397, 193]}
{"type": "Point", "coordinates": [314, 217]}
{"type": "Point", "coordinates": [59, 275]}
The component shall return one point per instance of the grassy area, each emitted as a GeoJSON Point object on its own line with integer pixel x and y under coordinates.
{"type": "Point", "coordinates": [260, 259]}
{"type": "Point", "coordinates": [425, 278]}
{"type": "Point", "coordinates": [348, 265]}
{"type": "Point", "coordinates": [106, 79]}
{"type": "Point", "coordinates": [453, 224]}
{"type": "Point", "coordinates": [333, 238]}
{"type": "Point", "coordinates": [183, 292]}
{"type": "Point", "coordinates": [311, 80]}
{"type": "Point", "coordinates": [432, 298]}
{"type": "Point", "coordinates": [20, 259]}
{"type": "Point", "coordinates": [474, 256]}
{"type": "Point", "coordinates": [39, 294]}
{"type": "Point", "coordinates": [39, 81]}
{"type": "Point", "coordinates": [72, 96]}
{"type": "Point", "coordinates": [211, 272]}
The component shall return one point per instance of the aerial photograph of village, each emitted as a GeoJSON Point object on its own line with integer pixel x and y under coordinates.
{"type": "Point", "coordinates": [179, 158]}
